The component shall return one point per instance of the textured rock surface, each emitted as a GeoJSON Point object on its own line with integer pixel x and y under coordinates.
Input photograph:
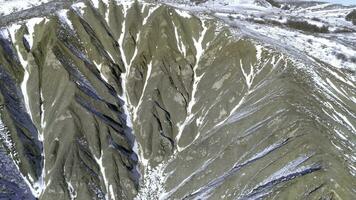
{"type": "Point", "coordinates": [124, 100]}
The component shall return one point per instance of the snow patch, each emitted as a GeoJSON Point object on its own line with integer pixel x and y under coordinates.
{"type": "Point", "coordinates": [5, 136]}
{"type": "Point", "coordinates": [124, 97]}
{"type": "Point", "coordinates": [198, 44]}
{"type": "Point", "coordinates": [12, 30]}
{"type": "Point", "coordinates": [181, 47]}
{"type": "Point", "coordinates": [79, 8]}
{"type": "Point", "coordinates": [153, 183]}
{"type": "Point", "coordinates": [183, 13]}
{"type": "Point", "coordinates": [148, 75]}
{"type": "Point", "coordinates": [99, 67]}
{"type": "Point", "coordinates": [8, 7]}
{"type": "Point", "coordinates": [63, 17]}
{"type": "Point", "coordinates": [95, 3]}
{"type": "Point", "coordinates": [150, 12]}
{"type": "Point", "coordinates": [31, 23]}
{"type": "Point", "coordinates": [72, 192]}
{"type": "Point", "coordinates": [99, 161]}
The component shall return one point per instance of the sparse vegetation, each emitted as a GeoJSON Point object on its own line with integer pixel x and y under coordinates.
{"type": "Point", "coordinates": [316, 19]}
{"type": "Point", "coordinates": [230, 17]}
{"type": "Point", "coordinates": [351, 17]}
{"type": "Point", "coordinates": [273, 3]}
{"type": "Point", "coordinates": [344, 58]}
{"type": "Point", "coordinates": [353, 59]}
{"type": "Point", "coordinates": [305, 26]}
{"type": "Point", "coordinates": [285, 7]}
{"type": "Point", "coordinates": [199, 1]}
{"type": "Point", "coordinates": [341, 56]}
{"type": "Point", "coordinates": [343, 30]}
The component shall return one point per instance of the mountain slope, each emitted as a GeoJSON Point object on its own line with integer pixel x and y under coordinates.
{"type": "Point", "coordinates": [124, 100]}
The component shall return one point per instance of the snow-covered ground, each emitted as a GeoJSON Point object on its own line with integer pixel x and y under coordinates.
{"type": "Point", "coordinates": [10, 6]}
{"type": "Point", "coordinates": [344, 2]}
{"type": "Point", "coordinates": [260, 20]}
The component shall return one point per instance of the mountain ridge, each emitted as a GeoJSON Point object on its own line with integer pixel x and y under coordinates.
{"type": "Point", "coordinates": [125, 96]}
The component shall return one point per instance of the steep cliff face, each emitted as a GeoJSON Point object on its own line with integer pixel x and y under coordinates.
{"type": "Point", "coordinates": [124, 100]}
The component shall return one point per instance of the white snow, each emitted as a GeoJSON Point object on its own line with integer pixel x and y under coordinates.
{"type": "Point", "coordinates": [35, 190]}
{"type": "Point", "coordinates": [125, 7]}
{"type": "Point", "coordinates": [31, 24]}
{"type": "Point", "coordinates": [99, 67]}
{"type": "Point", "coordinates": [155, 178]}
{"type": "Point", "coordinates": [136, 48]}
{"type": "Point", "coordinates": [148, 75]}
{"type": "Point", "coordinates": [340, 78]}
{"type": "Point", "coordinates": [43, 121]}
{"type": "Point", "coordinates": [8, 7]}
{"type": "Point", "coordinates": [183, 13]}
{"type": "Point", "coordinates": [12, 30]}
{"type": "Point", "coordinates": [340, 134]}
{"type": "Point", "coordinates": [199, 52]}
{"type": "Point", "coordinates": [259, 50]}
{"type": "Point", "coordinates": [5, 135]}
{"type": "Point", "coordinates": [124, 97]}
{"type": "Point", "coordinates": [138, 35]}
{"type": "Point", "coordinates": [106, 2]}
{"type": "Point", "coordinates": [24, 86]}
{"type": "Point", "coordinates": [292, 167]}
{"type": "Point", "coordinates": [36, 187]}
{"type": "Point", "coordinates": [112, 193]}
{"type": "Point", "coordinates": [153, 183]}
{"type": "Point", "coordinates": [127, 66]}
{"type": "Point", "coordinates": [72, 192]}
{"type": "Point", "coordinates": [336, 88]}
{"type": "Point", "coordinates": [198, 44]}
{"type": "Point", "coordinates": [202, 168]}
{"type": "Point", "coordinates": [346, 120]}
{"type": "Point", "coordinates": [181, 47]}
{"type": "Point", "coordinates": [231, 4]}
{"type": "Point", "coordinates": [310, 44]}
{"type": "Point", "coordinates": [63, 17]}
{"type": "Point", "coordinates": [248, 77]}
{"type": "Point", "coordinates": [39, 186]}
{"type": "Point", "coordinates": [79, 7]}
{"type": "Point", "coordinates": [150, 12]}
{"type": "Point", "coordinates": [239, 12]}
{"type": "Point", "coordinates": [99, 161]}
{"type": "Point", "coordinates": [107, 15]}
{"type": "Point", "coordinates": [95, 3]}
{"type": "Point", "coordinates": [5, 33]}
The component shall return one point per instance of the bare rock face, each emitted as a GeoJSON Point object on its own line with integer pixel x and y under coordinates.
{"type": "Point", "coordinates": [134, 100]}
